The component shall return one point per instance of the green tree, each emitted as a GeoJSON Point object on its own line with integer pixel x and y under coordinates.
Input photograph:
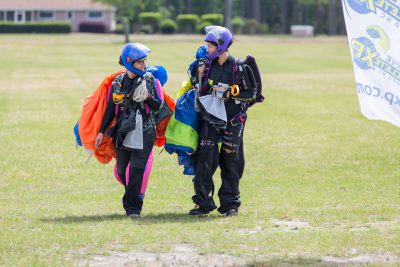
{"type": "Point", "coordinates": [151, 19]}
{"type": "Point", "coordinates": [324, 15]}
{"type": "Point", "coordinates": [320, 7]}
{"type": "Point", "coordinates": [132, 8]}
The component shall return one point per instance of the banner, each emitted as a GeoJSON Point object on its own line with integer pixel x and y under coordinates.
{"type": "Point", "coordinates": [373, 30]}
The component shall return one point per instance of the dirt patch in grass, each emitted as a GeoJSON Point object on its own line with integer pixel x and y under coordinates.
{"type": "Point", "coordinates": [295, 259]}
{"type": "Point", "coordinates": [180, 255]}
{"type": "Point", "coordinates": [185, 255]}
{"type": "Point", "coordinates": [254, 230]}
{"type": "Point", "coordinates": [278, 225]}
{"type": "Point", "coordinates": [363, 259]}
{"type": "Point", "coordinates": [287, 225]}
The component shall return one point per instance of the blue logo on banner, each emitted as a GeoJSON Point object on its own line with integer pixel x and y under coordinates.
{"type": "Point", "coordinates": [366, 56]}
{"type": "Point", "coordinates": [364, 52]}
{"type": "Point", "coordinates": [359, 6]}
{"type": "Point", "coordinates": [377, 32]}
{"type": "Point", "coordinates": [389, 8]}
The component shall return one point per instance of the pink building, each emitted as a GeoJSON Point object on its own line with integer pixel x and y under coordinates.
{"type": "Point", "coordinates": [75, 11]}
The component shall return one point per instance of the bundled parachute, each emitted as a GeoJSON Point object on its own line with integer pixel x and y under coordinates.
{"type": "Point", "coordinates": [88, 126]}
{"type": "Point", "coordinates": [90, 121]}
{"type": "Point", "coordinates": [182, 131]}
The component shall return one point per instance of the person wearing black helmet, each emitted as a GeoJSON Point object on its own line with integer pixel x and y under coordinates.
{"type": "Point", "coordinates": [133, 103]}
{"type": "Point", "coordinates": [216, 77]}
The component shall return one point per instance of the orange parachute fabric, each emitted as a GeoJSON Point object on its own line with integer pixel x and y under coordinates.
{"type": "Point", "coordinates": [91, 117]}
{"type": "Point", "coordinates": [162, 125]}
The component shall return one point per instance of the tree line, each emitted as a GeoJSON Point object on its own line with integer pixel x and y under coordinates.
{"type": "Point", "coordinates": [241, 16]}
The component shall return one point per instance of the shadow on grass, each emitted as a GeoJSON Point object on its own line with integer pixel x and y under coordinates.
{"type": "Point", "coordinates": [146, 218]}
{"type": "Point", "coordinates": [85, 218]}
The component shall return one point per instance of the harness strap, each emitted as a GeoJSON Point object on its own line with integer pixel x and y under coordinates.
{"type": "Point", "coordinates": [205, 77]}
{"type": "Point", "coordinates": [238, 118]}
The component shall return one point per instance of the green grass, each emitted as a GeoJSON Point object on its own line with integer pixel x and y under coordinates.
{"type": "Point", "coordinates": [310, 156]}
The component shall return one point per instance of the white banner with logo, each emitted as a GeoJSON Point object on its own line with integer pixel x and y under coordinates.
{"type": "Point", "coordinates": [373, 30]}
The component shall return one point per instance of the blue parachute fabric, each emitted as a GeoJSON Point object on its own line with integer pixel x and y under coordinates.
{"type": "Point", "coordinates": [184, 158]}
{"type": "Point", "coordinates": [170, 148]}
{"type": "Point", "coordinates": [159, 72]}
{"type": "Point", "coordinates": [192, 66]}
{"type": "Point", "coordinates": [185, 111]}
{"type": "Point", "coordinates": [200, 54]}
{"type": "Point", "coordinates": [76, 132]}
{"type": "Point", "coordinates": [186, 119]}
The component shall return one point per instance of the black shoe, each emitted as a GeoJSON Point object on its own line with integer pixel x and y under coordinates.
{"type": "Point", "coordinates": [232, 212]}
{"type": "Point", "coordinates": [197, 210]}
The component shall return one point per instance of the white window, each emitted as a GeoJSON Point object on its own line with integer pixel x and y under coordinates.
{"type": "Point", "coordinates": [46, 15]}
{"type": "Point", "coordinates": [19, 16]}
{"type": "Point", "coordinates": [95, 15]}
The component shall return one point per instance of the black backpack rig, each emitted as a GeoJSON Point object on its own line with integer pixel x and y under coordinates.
{"type": "Point", "coordinates": [252, 79]}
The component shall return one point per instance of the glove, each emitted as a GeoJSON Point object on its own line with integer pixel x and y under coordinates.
{"type": "Point", "coordinates": [140, 94]}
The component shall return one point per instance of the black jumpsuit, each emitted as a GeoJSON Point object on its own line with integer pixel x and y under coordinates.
{"type": "Point", "coordinates": [132, 199]}
{"type": "Point", "coordinates": [231, 157]}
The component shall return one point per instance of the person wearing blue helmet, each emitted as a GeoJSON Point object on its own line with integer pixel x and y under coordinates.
{"type": "Point", "coordinates": [133, 102]}
{"type": "Point", "coordinates": [215, 76]}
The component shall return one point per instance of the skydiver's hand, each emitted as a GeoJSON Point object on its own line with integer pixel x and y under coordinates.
{"type": "Point", "coordinates": [226, 95]}
{"type": "Point", "coordinates": [98, 140]}
{"type": "Point", "coordinates": [201, 69]}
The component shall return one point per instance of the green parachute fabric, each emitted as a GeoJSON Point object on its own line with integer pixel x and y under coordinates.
{"type": "Point", "coordinates": [182, 131]}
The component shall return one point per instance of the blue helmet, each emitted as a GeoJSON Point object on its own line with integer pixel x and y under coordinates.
{"type": "Point", "coordinates": [132, 52]}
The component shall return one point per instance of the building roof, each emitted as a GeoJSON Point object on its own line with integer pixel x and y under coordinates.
{"type": "Point", "coordinates": [52, 5]}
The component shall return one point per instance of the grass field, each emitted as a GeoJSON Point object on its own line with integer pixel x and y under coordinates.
{"type": "Point", "coordinates": [320, 179]}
